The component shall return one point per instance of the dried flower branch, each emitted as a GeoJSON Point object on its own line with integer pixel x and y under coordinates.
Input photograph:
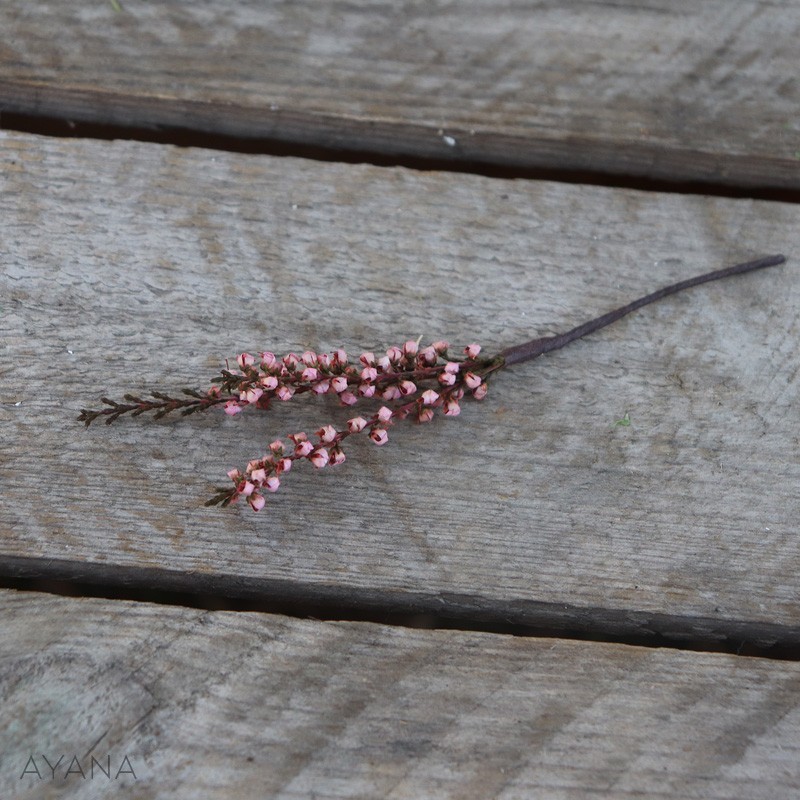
{"type": "Point", "coordinates": [411, 382]}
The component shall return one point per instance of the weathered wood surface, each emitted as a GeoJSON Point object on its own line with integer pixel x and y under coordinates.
{"type": "Point", "coordinates": [677, 90]}
{"type": "Point", "coordinates": [134, 267]}
{"type": "Point", "coordinates": [241, 705]}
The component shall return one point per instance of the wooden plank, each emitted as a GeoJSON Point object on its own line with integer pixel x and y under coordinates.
{"type": "Point", "coordinates": [136, 267]}
{"type": "Point", "coordinates": [668, 90]}
{"type": "Point", "coordinates": [213, 704]}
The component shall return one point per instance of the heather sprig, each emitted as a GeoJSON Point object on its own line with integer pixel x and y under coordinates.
{"type": "Point", "coordinates": [407, 381]}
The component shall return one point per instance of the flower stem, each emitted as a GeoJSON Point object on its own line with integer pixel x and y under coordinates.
{"type": "Point", "coordinates": [536, 347]}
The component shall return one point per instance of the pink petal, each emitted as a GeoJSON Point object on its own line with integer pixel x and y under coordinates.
{"type": "Point", "coordinates": [320, 458]}
{"type": "Point", "coordinates": [348, 398]}
{"type": "Point", "coordinates": [327, 433]}
{"type": "Point", "coordinates": [259, 475]}
{"type": "Point", "coordinates": [379, 436]}
{"type": "Point", "coordinates": [245, 360]}
{"type": "Point", "coordinates": [472, 380]}
{"type": "Point", "coordinates": [303, 449]}
{"type": "Point", "coordinates": [429, 397]}
{"type": "Point", "coordinates": [356, 424]}
{"type": "Point", "coordinates": [256, 501]}
{"type": "Point", "coordinates": [384, 414]}
{"type": "Point", "coordinates": [472, 350]}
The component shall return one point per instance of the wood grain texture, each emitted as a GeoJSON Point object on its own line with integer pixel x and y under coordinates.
{"type": "Point", "coordinates": [241, 705]}
{"type": "Point", "coordinates": [135, 267]}
{"type": "Point", "coordinates": [676, 90]}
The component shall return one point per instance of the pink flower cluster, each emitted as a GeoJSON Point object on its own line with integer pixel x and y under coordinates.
{"type": "Point", "coordinates": [415, 380]}
{"type": "Point", "coordinates": [392, 376]}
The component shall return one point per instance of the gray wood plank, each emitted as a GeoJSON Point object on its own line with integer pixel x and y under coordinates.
{"type": "Point", "coordinates": [670, 90]}
{"type": "Point", "coordinates": [135, 267]}
{"type": "Point", "coordinates": [241, 705]}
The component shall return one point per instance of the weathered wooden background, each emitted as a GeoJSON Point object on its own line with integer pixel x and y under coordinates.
{"type": "Point", "coordinates": [134, 265]}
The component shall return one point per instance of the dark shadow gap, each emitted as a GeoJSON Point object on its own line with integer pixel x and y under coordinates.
{"type": "Point", "coordinates": [383, 614]}
{"type": "Point", "coordinates": [184, 137]}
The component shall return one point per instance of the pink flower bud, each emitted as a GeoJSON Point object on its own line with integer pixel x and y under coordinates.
{"type": "Point", "coordinates": [394, 354]}
{"type": "Point", "coordinates": [356, 425]}
{"type": "Point", "coordinates": [309, 358]}
{"type": "Point", "coordinates": [232, 407]}
{"type": "Point", "coordinates": [327, 433]}
{"type": "Point", "coordinates": [252, 395]}
{"type": "Point", "coordinates": [452, 367]}
{"type": "Point", "coordinates": [472, 380]}
{"type": "Point", "coordinates": [258, 475]}
{"type": "Point", "coordinates": [440, 347]}
{"type": "Point", "coordinates": [348, 398]}
{"type": "Point", "coordinates": [269, 382]}
{"type": "Point", "coordinates": [256, 501]}
{"type": "Point", "coordinates": [369, 374]}
{"type": "Point", "coordinates": [383, 363]}
{"type": "Point", "coordinates": [367, 359]}
{"type": "Point", "coordinates": [298, 437]}
{"type": "Point", "coordinates": [340, 357]}
{"type": "Point", "coordinates": [407, 387]}
{"type": "Point", "coordinates": [429, 397]}
{"type": "Point", "coordinates": [379, 436]}
{"type": "Point", "coordinates": [447, 378]}
{"type": "Point", "coordinates": [321, 387]}
{"type": "Point", "coordinates": [427, 356]}
{"type": "Point", "coordinates": [272, 483]}
{"type": "Point", "coordinates": [245, 360]}
{"type": "Point", "coordinates": [366, 389]}
{"type": "Point", "coordinates": [291, 360]}
{"type": "Point", "coordinates": [214, 391]}
{"type": "Point", "coordinates": [425, 414]}
{"type": "Point", "coordinates": [472, 350]}
{"type": "Point", "coordinates": [325, 360]}
{"type": "Point", "coordinates": [339, 384]}
{"type": "Point", "coordinates": [320, 458]}
{"type": "Point", "coordinates": [480, 392]}
{"type": "Point", "coordinates": [276, 447]}
{"type": "Point", "coordinates": [284, 465]}
{"type": "Point", "coordinates": [234, 475]}
{"type": "Point", "coordinates": [410, 348]}
{"type": "Point", "coordinates": [284, 392]}
{"type": "Point", "coordinates": [268, 359]}
{"type": "Point", "coordinates": [337, 457]}
{"type": "Point", "coordinates": [384, 414]}
{"type": "Point", "coordinates": [391, 393]}
{"type": "Point", "coordinates": [309, 374]}
{"type": "Point", "coordinates": [245, 488]}
{"type": "Point", "coordinates": [451, 408]}
{"type": "Point", "coordinates": [303, 449]}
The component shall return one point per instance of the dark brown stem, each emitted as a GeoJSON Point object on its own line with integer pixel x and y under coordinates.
{"type": "Point", "coordinates": [536, 347]}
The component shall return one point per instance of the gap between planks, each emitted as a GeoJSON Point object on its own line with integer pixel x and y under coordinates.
{"type": "Point", "coordinates": [184, 136]}
{"type": "Point", "coordinates": [446, 611]}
